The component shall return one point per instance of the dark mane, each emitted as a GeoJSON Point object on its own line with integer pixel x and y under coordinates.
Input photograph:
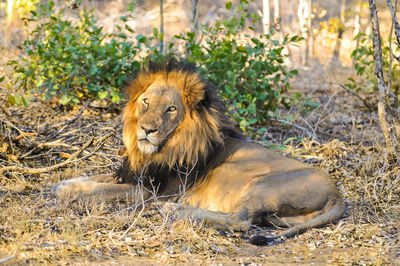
{"type": "Point", "coordinates": [203, 130]}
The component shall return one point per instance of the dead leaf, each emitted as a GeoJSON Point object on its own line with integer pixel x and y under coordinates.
{"type": "Point", "coordinates": [12, 157]}
{"type": "Point", "coordinates": [23, 135]}
{"type": "Point", "coordinates": [65, 155]}
{"type": "Point", "coordinates": [3, 147]}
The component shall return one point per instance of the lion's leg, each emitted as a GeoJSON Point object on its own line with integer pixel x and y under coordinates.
{"type": "Point", "coordinates": [219, 220]}
{"type": "Point", "coordinates": [102, 185]}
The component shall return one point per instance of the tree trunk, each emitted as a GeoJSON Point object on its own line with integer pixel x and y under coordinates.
{"type": "Point", "coordinates": [304, 12]}
{"type": "Point", "coordinates": [277, 18]}
{"type": "Point", "coordinates": [310, 49]}
{"type": "Point", "coordinates": [390, 139]}
{"type": "Point", "coordinates": [266, 17]}
{"type": "Point", "coordinates": [393, 97]}
{"type": "Point", "coordinates": [10, 11]}
{"type": "Point", "coordinates": [336, 52]}
{"type": "Point", "coordinates": [357, 23]}
{"type": "Point", "coordinates": [194, 23]}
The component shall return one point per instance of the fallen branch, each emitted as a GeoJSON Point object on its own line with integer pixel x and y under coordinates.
{"type": "Point", "coordinates": [6, 259]}
{"type": "Point", "coordinates": [27, 170]}
{"type": "Point", "coordinates": [310, 135]}
{"type": "Point", "coordinates": [78, 115]}
{"type": "Point", "coordinates": [370, 108]}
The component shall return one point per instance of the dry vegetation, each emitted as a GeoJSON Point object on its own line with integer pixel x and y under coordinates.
{"type": "Point", "coordinates": [342, 136]}
{"type": "Point", "coordinates": [36, 227]}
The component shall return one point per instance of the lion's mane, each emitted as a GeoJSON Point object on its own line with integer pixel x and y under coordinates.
{"type": "Point", "coordinates": [202, 128]}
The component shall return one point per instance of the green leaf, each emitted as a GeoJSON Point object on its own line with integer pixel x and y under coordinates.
{"type": "Point", "coordinates": [228, 5]}
{"type": "Point", "coordinates": [155, 32]}
{"type": "Point", "coordinates": [93, 70]}
{"type": "Point", "coordinates": [65, 99]}
{"type": "Point", "coordinates": [2, 78]}
{"type": "Point", "coordinates": [24, 101]}
{"type": "Point", "coordinates": [242, 49]}
{"type": "Point", "coordinates": [261, 130]}
{"type": "Point", "coordinates": [141, 38]}
{"type": "Point", "coordinates": [11, 99]}
{"type": "Point", "coordinates": [103, 95]}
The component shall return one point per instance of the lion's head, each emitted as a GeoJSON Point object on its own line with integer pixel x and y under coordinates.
{"type": "Point", "coordinates": [172, 116]}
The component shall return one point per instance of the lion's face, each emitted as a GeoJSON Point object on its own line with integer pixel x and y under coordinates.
{"type": "Point", "coordinates": [159, 111]}
{"type": "Point", "coordinates": [172, 118]}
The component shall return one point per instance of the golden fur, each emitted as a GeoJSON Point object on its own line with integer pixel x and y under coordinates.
{"type": "Point", "coordinates": [198, 131]}
{"type": "Point", "coordinates": [181, 147]}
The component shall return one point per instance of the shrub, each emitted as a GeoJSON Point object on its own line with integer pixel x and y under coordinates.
{"type": "Point", "coordinates": [248, 69]}
{"type": "Point", "coordinates": [363, 59]}
{"type": "Point", "coordinates": [74, 61]}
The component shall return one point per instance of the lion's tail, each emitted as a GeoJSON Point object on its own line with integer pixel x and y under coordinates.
{"type": "Point", "coordinates": [334, 213]}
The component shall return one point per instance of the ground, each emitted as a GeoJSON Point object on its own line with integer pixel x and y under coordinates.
{"type": "Point", "coordinates": [44, 143]}
{"type": "Point", "coordinates": [342, 136]}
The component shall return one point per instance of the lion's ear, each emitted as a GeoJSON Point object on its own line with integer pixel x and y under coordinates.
{"type": "Point", "coordinates": [195, 90]}
{"type": "Point", "coordinates": [194, 97]}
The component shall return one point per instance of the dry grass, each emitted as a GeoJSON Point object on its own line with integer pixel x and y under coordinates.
{"type": "Point", "coordinates": [36, 227]}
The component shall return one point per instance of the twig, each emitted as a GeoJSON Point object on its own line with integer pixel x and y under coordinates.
{"type": "Point", "coordinates": [6, 259]}
{"type": "Point", "coordinates": [13, 126]}
{"type": "Point", "coordinates": [370, 108]}
{"type": "Point", "coordinates": [103, 138]}
{"type": "Point", "coordinates": [394, 20]}
{"type": "Point", "coordinates": [69, 122]}
{"type": "Point", "coordinates": [5, 110]}
{"type": "Point", "coordinates": [27, 170]}
{"type": "Point", "coordinates": [311, 135]}
{"type": "Point", "coordinates": [323, 111]}
{"type": "Point", "coordinates": [98, 146]}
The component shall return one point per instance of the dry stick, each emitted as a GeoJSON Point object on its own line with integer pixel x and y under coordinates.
{"type": "Point", "coordinates": [393, 98]}
{"type": "Point", "coordinates": [382, 114]}
{"type": "Point", "coordinates": [396, 27]}
{"type": "Point", "coordinates": [100, 140]}
{"type": "Point", "coordinates": [194, 23]}
{"type": "Point", "coordinates": [394, 19]}
{"type": "Point", "coordinates": [78, 115]}
{"type": "Point", "coordinates": [5, 110]}
{"type": "Point", "coordinates": [6, 259]}
{"type": "Point", "coordinates": [310, 135]}
{"type": "Point", "coordinates": [323, 111]}
{"type": "Point", "coordinates": [370, 108]}
{"type": "Point", "coordinates": [13, 126]}
{"type": "Point", "coordinates": [26, 170]}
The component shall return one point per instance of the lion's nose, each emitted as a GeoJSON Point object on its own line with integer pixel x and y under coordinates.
{"type": "Point", "coordinates": [148, 129]}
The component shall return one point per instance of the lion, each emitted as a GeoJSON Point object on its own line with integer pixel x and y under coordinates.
{"type": "Point", "coordinates": [182, 148]}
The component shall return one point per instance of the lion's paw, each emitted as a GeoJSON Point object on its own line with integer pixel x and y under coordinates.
{"type": "Point", "coordinates": [80, 185]}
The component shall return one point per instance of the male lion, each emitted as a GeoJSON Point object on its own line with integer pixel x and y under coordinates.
{"type": "Point", "coordinates": [181, 147]}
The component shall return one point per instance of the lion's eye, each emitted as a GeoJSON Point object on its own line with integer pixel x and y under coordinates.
{"type": "Point", "coordinates": [171, 109]}
{"type": "Point", "coordinates": [145, 101]}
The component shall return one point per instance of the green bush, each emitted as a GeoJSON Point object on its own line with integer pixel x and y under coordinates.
{"type": "Point", "coordinates": [74, 61]}
{"type": "Point", "coordinates": [248, 69]}
{"type": "Point", "coordinates": [363, 59]}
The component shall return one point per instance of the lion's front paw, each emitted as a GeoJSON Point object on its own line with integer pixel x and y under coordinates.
{"type": "Point", "coordinates": [81, 185]}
